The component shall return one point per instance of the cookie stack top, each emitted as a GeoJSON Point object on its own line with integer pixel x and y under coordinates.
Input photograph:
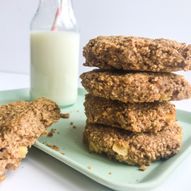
{"type": "Point", "coordinates": [137, 54]}
{"type": "Point", "coordinates": [139, 69]}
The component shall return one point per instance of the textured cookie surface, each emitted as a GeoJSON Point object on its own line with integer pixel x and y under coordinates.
{"type": "Point", "coordinates": [136, 53]}
{"type": "Point", "coordinates": [135, 149]}
{"type": "Point", "coordinates": [21, 124]}
{"type": "Point", "coordinates": [136, 87]}
{"type": "Point", "coordinates": [143, 117]}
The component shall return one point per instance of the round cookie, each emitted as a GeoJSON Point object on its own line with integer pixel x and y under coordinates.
{"type": "Point", "coordinates": [137, 54]}
{"type": "Point", "coordinates": [135, 149]}
{"type": "Point", "coordinates": [136, 87]}
{"type": "Point", "coordinates": [143, 117]}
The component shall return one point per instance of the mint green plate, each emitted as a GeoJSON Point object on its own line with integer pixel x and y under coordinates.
{"type": "Point", "coordinates": [71, 150]}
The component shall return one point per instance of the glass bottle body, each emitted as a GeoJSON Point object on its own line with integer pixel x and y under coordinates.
{"type": "Point", "coordinates": [54, 52]}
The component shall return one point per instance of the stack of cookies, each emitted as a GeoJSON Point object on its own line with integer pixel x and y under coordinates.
{"type": "Point", "coordinates": [129, 116]}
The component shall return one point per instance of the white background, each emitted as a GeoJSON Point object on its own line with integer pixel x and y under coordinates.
{"type": "Point", "coordinates": [149, 18]}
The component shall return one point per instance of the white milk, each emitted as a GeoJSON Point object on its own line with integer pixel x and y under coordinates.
{"type": "Point", "coordinates": [54, 66]}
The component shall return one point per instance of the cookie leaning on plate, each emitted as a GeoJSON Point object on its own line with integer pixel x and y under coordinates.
{"type": "Point", "coordinates": [137, 54]}
{"type": "Point", "coordinates": [21, 124]}
{"type": "Point", "coordinates": [136, 87]}
{"type": "Point", "coordinates": [137, 118]}
{"type": "Point", "coordinates": [135, 149]}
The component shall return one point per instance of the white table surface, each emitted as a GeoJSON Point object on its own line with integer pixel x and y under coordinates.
{"type": "Point", "coordinates": [40, 172]}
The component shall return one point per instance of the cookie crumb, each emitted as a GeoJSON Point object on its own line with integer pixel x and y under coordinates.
{"type": "Point", "coordinates": [65, 115]}
{"type": "Point", "coordinates": [72, 125]}
{"type": "Point", "coordinates": [51, 133]}
{"type": "Point", "coordinates": [45, 133]}
{"type": "Point", "coordinates": [109, 173]}
{"type": "Point", "coordinates": [142, 168]}
{"type": "Point", "coordinates": [54, 147]}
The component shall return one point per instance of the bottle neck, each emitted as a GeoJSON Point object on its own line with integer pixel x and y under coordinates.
{"type": "Point", "coordinates": [54, 3]}
{"type": "Point", "coordinates": [55, 15]}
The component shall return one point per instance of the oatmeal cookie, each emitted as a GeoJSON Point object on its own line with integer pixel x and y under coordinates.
{"type": "Point", "coordinates": [136, 87]}
{"type": "Point", "coordinates": [143, 117]}
{"type": "Point", "coordinates": [137, 54]}
{"type": "Point", "coordinates": [135, 149]}
{"type": "Point", "coordinates": [21, 124]}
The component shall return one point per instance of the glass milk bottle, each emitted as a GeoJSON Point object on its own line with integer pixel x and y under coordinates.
{"type": "Point", "coordinates": [54, 52]}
